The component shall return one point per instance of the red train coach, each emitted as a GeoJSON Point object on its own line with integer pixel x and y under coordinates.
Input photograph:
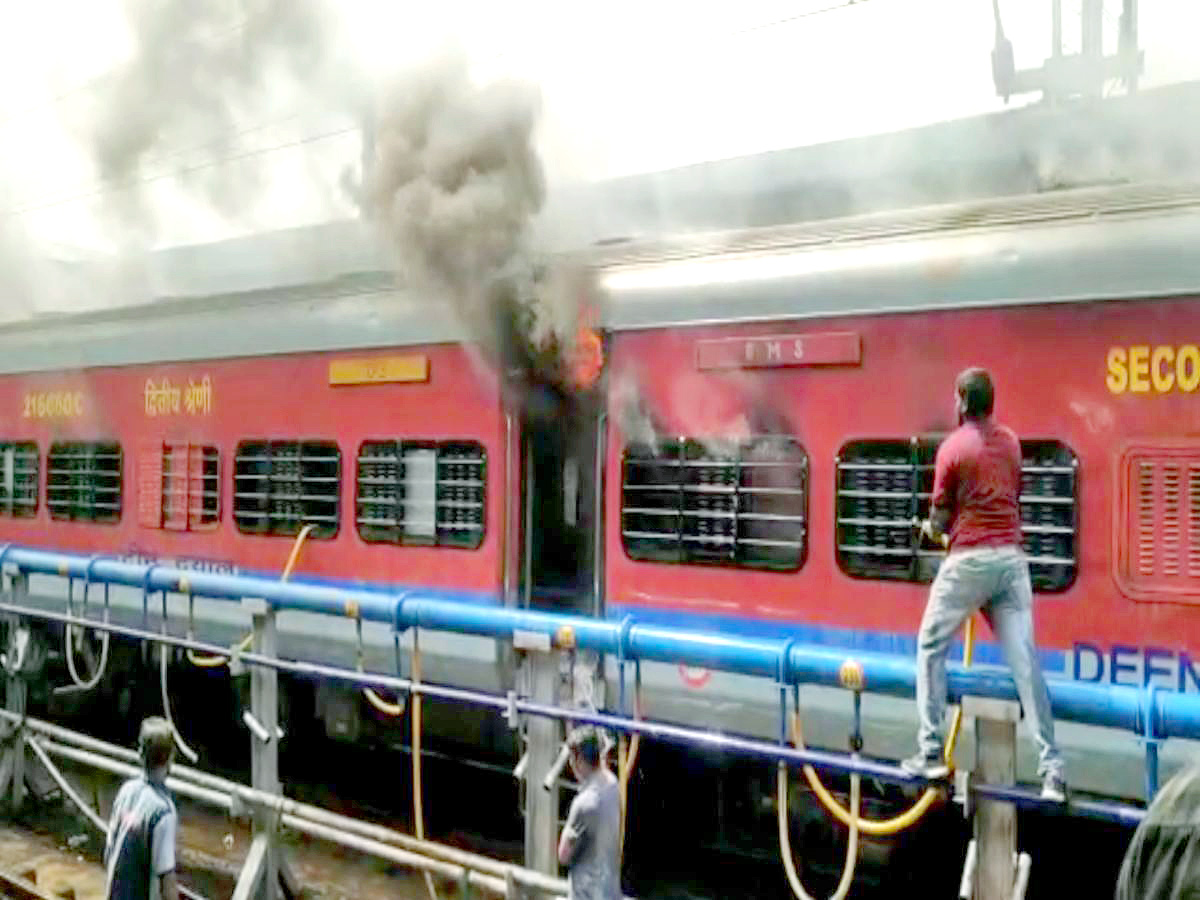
{"type": "Point", "coordinates": [227, 459]}
{"type": "Point", "coordinates": [773, 402]}
{"type": "Point", "coordinates": [785, 397]}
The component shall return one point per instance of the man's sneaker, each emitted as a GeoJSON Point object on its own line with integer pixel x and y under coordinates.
{"type": "Point", "coordinates": [931, 767]}
{"type": "Point", "coordinates": [1054, 788]}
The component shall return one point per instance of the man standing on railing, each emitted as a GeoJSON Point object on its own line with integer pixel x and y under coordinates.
{"type": "Point", "coordinates": [140, 850]}
{"type": "Point", "coordinates": [590, 842]}
{"type": "Point", "coordinates": [976, 494]}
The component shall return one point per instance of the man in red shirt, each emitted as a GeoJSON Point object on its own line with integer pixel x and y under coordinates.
{"type": "Point", "coordinates": [976, 488]}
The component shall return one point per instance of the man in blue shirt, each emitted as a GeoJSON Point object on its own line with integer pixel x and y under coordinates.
{"type": "Point", "coordinates": [140, 850]}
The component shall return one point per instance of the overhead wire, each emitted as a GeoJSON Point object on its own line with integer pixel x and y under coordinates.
{"type": "Point", "coordinates": [94, 80]}
{"type": "Point", "coordinates": [796, 17]}
{"type": "Point", "coordinates": [17, 211]}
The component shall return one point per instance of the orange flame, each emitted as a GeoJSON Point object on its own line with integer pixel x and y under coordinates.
{"type": "Point", "coordinates": [586, 358]}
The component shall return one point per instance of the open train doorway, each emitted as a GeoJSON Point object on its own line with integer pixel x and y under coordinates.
{"type": "Point", "coordinates": [560, 459]}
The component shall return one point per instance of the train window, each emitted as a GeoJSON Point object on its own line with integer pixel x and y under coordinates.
{"type": "Point", "coordinates": [1049, 513]}
{"type": "Point", "coordinates": [884, 487]}
{"type": "Point", "coordinates": [281, 486]}
{"type": "Point", "coordinates": [422, 492]}
{"type": "Point", "coordinates": [83, 482]}
{"type": "Point", "coordinates": [179, 487]}
{"type": "Point", "coordinates": [737, 505]}
{"type": "Point", "coordinates": [1158, 525]}
{"type": "Point", "coordinates": [18, 479]}
{"type": "Point", "coordinates": [877, 501]}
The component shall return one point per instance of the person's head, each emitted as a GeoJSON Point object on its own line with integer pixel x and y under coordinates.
{"type": "Point", "coordinates": [1162, 861]}
{"type": "Point", "coordinates": [584, 746]}
{"type": "Point", "coordinates": [974, 395]}
{"type": "Point", "coordinates": [156, 744]}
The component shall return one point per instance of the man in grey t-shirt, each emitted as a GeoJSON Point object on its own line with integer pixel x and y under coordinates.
{"type": "Point", "coordinates": [140, 850]}
{"type": "Point", "coordinates": [590, 842]}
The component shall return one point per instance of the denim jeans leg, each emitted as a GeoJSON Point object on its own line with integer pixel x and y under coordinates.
{"type": "Point", "coordinates": [958, 590]}
{"type": "Point", "coordinates": [1010, 612]}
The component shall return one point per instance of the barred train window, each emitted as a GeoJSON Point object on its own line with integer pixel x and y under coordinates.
{"type": "Point", "coordinates": [742, 505]}
{"type": "Point", "coordinates": [281, 486]}
{"type": "Point", "coordinates": [883, 486]}
{"type": "Point", "coordinates": [179, 487]}
{"type": "Point", "coordinates": [18, 479]}
{"type": "Point", "coordinates": [422, 492]}
{"type": "Point", "coordinates": [83, 481]}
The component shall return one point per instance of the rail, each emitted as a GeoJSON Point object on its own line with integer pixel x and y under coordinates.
{"type": "Point", "coordinates": [845, 764]}
{"type": "Point", "coordinates": [1148, 712]}
{"type": "Point", "coordinates": [788, 664]}
{"type": "Point", "coordinates": [14, 887]}
{"type": "Point", "coordinates": [46, 739]}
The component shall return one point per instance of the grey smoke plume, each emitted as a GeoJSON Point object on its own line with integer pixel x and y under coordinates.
{"type": "Point", "coordinates": [454, 182]}
{"type": "Point", "coordinates": [631, 414]}
{"type": "Point", "coordinates": [199, 72]}
{"type": "Point", "coordinates": [17, 284]}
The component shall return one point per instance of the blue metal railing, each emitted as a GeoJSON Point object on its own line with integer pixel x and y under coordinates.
{"type": "Point", "coordinates": [1151, 714]}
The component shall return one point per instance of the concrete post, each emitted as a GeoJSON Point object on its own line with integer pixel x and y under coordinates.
{"type": "Point", "coordinates": [995, 822]}
{"type": "Point", "coordinates": [264, 753]}
{"type": "Point", "coordinates": [16, 697]}
{"type": "Point", "coordinates": [545, 738]}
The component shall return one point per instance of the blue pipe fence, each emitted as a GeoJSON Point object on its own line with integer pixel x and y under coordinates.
{"type": "Point", "coordinates": [1151, 714]}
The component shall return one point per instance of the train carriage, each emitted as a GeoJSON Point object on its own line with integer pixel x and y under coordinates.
{"type": "Point", "coordinates": [751, 461]}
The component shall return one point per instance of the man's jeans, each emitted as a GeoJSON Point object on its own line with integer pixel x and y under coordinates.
{"type": "Point", "coordinates": [994, 580]}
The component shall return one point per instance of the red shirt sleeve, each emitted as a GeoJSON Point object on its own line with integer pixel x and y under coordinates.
{"type": "Point", "coordinates": [945, 475]}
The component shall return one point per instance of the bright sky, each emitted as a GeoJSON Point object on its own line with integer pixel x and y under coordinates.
{"type": "Point", "coordinates": [626, 86]}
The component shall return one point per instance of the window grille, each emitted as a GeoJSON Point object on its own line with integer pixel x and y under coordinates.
{"type": "Point", "coordinates": [422, 492]}
{"type": "Point", "coordinates": [885, 486]}
{"type": "Point", "coordinates": [18, 479]}
{"type": "Point", "coordinates": [83, 481]}
{"type": "Point", "coordinates": [180, 487]}
{"type": "Point", "coordinates": [281, 486]}
{"type": "Point", "coordinates": [1158, 527]}
{"type": "Point", "coordinates": [738, 505]}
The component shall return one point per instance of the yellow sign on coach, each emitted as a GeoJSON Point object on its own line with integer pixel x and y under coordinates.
{"type": "Point", "coordinates": [1141, 368]}
{"type": "Point", "coordinates": [164, 397]}
{"type": "Point", "coordinates": [379, 370]}
{"type": "Point", "coordinates": [53, 405]}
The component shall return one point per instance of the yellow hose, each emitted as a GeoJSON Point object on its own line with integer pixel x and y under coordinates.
{"type": "Point", "coordinates": [627, 753]}
{"type": "Point", "coordinates": [785, 842]}
{"type": "Point", "coordinates": [418, 804]}
{"type": "Point", "coordinates": [384, 706]}
{"type": "Point", "coordinates": [214, 662]}
{"type": "Point", "coordinates": [879, 827]}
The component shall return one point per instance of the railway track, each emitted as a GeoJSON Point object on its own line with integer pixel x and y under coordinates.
{"type": "Point", "coordinates": [35, 866]}
{"type": "Point", "coordinates": [51, 854]}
